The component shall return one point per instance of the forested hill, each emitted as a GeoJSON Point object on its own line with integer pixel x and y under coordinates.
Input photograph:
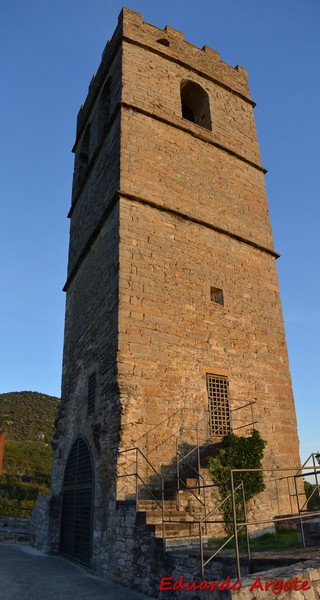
{"type": "Point", "coordinates": [28, 415]}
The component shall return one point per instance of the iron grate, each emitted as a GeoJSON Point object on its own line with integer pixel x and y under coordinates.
{"type": "Point", "coordinates": [219, 404]}
{"type": "Point", "coordinates": [91, 393]}
{"type": "Point", "coordinates": [77, 504]}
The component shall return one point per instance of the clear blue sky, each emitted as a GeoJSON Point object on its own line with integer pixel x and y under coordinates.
{"type": "Point", "coordinates": [49, 52]}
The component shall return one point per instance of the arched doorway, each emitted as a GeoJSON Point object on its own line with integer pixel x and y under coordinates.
{"type": "Point", "coordinates": [77, 504]}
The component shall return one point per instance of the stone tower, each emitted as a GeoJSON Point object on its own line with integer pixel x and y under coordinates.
{"type": "Point", "coordinates": [173, 314]}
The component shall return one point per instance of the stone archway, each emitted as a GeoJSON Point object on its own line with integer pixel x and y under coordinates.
{"type": "Point", "coordinates": [77, 504]}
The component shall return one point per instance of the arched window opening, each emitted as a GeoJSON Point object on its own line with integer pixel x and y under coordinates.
{"type": "Point", "coordinates": [164, 42]}
{"type": "Point", "coordinates": [92, 387]}
{"type": "Point", "coordinates": [83, 153]}
{"type": "Point", "coordinates": [77, 504]}
{"type": "Point", "coordinates": [104, 108]}
{"type": "Point", "coordinates": [195, 106]}
{"type": "Point", "coordinates": [187, 113]}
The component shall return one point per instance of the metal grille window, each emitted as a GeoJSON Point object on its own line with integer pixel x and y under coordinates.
{"type": "Point", "coordinates": [91, 394]}
{"type": "Point", "coordinates": [219, 404]}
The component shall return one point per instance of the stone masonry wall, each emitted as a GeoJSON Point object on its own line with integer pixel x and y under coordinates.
{"type": "Point", "coordinates": [179, 164]}
{"type": "Point", "coordinates": [134, 558]}
{"type": "Point", "coordinates": [194, 215]}
{"type": "Point", "coordinates": [152, 83]}
{"type": "Point", "coordinates": [164, 211]}
{"type": "Point", "coordinates": [91, 344]}
{"type": "Point", "coordinates": [40, 522]}
{"type": "Point", "coordinates": [308, 572]}
{"type": "Point", "coordinates": [171, 333]}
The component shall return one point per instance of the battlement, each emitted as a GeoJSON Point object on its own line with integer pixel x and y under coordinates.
{"type": "Point", "coordinates": [168, 43]}
{"type": "Point", "coordinates": [172, 44]}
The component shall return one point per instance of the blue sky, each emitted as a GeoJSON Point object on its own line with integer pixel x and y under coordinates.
{"type": "Point", "coordinates": [49, 52]}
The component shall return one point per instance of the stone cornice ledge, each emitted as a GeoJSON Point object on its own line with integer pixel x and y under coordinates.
{"type": "Point", "coordinates": [152, 204]}
{"type": "Point", "coordinates": [201, 135]}
{"type": "Point", "coordinates": [185, 216]}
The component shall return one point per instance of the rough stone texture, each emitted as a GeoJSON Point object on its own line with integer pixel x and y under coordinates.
{"type": "Point", "coordinates": [162, 211]}
{"type": "Point", "coordinates": [308, 571]}
{"type": "Point", "coordinates": [11, 522]}
{"type": "Point", "coordinates": [136, 556]}
{"type": "Point", "coordinates": [170, 333]}
{"type": "Point", "coordinates": [311, 532]}
{"type": "Point", "coordinates": [45, 523]}
{"type": "Point", "coordinates": [40, 522]}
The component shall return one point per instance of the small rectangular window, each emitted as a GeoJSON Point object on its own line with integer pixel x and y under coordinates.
{"type": "Point", "coordinates": [219, 404]}
{"type": "Point", "coordinates": [216, 295]}
{"type": "Point", "coordinates": [91, 394]}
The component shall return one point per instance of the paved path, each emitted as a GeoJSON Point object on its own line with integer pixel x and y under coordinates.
{"type": "Point", "coordinates": [26, 573]}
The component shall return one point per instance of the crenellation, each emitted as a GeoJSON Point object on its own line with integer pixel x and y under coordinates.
{"type": "Point", "coordinates": [174, 33]}
{"type": "Point", "coordinates": [214, 54]}
{"type": "Point", "coordinates": [109, 54]}
{"type": "Point", "coordinates": [195, 58]}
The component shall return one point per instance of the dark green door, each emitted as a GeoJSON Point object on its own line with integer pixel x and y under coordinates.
{"type": "Point", "coordinates": [77, 504]}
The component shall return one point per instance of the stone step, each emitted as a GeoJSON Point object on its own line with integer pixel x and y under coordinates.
{"type": "Point", "coordinates": [16, 536]}
{"type": "Point", "coordinates": [209, 449]}
{"type": "Point", "coordinates": [169, 493]}
{"type": "Point", "coordinates": [155, 517]}
{"type": "Point", "coordinates": [145, 505]}
{"type": "Point", "coordinates": [184, 543]}
{"type": "Point", "coordinates": [177, 530]}
{"type": "Point", "coordinates": [14, 522]}
{"type": "Point", "coordinates": [191, 482]}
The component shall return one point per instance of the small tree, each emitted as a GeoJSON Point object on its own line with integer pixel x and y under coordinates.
{"type": "Point", "coordinates": [313, 498]}
{"type": "Point", "coordinates": [239, 453]}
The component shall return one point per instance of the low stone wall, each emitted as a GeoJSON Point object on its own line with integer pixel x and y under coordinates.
{"type": "Point", "coordinates": [40, 522]}
{"type": "Point", "coordinates": [17, 522]}
{"type": "Point", "coordinates": [311, 531]}
{"type": "Point", "coordinates": [45, 523]}
{"type": "Point", "coordinates": [295, 582]}
{"type": "Point", "coordinates": [135, 558]}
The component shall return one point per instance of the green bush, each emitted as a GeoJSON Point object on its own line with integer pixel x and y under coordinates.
{"type": "Point", "coordinates": [239, 453]}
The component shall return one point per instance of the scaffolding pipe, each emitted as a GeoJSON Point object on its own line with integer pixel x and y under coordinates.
{"type": "Point", "coordinates": [245, 520]}
{"type": "Point", "coordinates": [234, 512]}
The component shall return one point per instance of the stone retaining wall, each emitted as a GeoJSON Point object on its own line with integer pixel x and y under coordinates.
{"type": "Point", "coordinates": [311, 531]}
{"type": "Point", "coordinates": [18, 522]}
{"type": "Point", "coordinates": [40, 522]}
{"type": "Point", "coordinates": [308, 572]}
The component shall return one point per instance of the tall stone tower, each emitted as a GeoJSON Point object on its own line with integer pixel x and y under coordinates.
{"type": "Point", "coordinates": [173, 313]}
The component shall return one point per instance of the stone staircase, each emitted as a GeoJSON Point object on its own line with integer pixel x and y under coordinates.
{"type": "Point", "coordinates": [179, 526]}
{"type": "Point", "coordinates": [183, 503]}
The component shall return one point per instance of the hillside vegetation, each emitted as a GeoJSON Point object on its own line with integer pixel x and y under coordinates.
{"type": "Point", "coordinates": [28, 419]}
{"type": "Point", "coordinates": [25, 414]}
